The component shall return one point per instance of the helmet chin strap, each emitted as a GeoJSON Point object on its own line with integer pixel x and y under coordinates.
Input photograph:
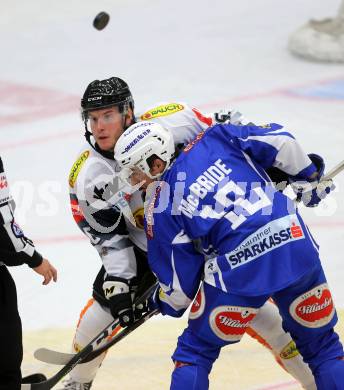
{"type": "Point", "coordinates": [88, 135]}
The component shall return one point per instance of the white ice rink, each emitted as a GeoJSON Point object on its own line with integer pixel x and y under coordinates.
{"type": "Point", "coordinates": [212, 54]}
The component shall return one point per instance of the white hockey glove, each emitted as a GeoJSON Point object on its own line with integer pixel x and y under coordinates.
{"type": "Point", "coordinates": [311, 192]}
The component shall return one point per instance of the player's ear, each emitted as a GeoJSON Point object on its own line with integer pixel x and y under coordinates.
{"type": "Point", "coordinates": [129, 117]}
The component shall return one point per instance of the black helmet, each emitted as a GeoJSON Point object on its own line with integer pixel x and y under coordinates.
{"type": "Point", "coordinates": [106, 93]}
{"type": "Point", "coordinates": [101, 94]}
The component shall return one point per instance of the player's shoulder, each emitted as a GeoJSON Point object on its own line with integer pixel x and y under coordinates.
{"type": "Point", "coordinates": [88, 164]}
{"type": "Point", "coordinates": [271, 126]}
{"type": "Point", "coordinates": [247, 130]}
{"type": "Point", "coordinates": [182, 170]}
{"type": "Point", "coordinates": [266, 127]}
{"type": "Point", "coordinates": [184, 121]}
{"type": "Point", "coordinates": [163, 109]}
{"type": "Point", "coordinates": [80, 160]}
{"type": "Point", "coordinates": [265, 130]}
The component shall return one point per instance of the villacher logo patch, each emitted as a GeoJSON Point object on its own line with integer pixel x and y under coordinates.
{"type": "Point", "coordinates": [315, 308]}
{"type": "Point", "coordinates": [229, 323]}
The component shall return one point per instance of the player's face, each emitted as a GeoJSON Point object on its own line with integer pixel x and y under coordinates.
{"type": "Point", "coordinates": [107, 125]}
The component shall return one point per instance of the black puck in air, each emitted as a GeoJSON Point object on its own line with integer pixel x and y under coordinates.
{"type": "Point", "coordinates": [101, 20]}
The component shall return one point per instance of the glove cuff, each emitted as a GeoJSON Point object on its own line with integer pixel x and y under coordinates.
{"type": "Point", "coordinates": [112, 288]}
{"type": "Point", "coordinates": [114, 285]}
{"type": "Point", "coordinates": [319, 163]}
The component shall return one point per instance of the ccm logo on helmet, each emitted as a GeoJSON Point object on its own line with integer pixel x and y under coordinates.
{"type": "Point", "coordinates": [198, 305]}
{"type": "Point", "coordinates": [315, 308]}
{"type": "Point", "coordinates": [229, 323]}
{"type": "Point", "coordinates": [92, 99]}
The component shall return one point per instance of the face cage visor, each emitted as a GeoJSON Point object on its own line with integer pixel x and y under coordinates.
{"type": "Point", "coordinates": [137, 175]}
{"type": "Point", "coordinates": [133, 176]}
{"type": "Point", "coordinates": [110, 117]}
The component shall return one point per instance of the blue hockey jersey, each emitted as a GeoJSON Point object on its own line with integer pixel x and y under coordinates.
{"type": "Point", "coordinates": [216, 199]}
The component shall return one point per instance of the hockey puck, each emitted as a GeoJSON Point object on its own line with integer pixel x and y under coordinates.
{"type": "Point", "coordinates": [101, 20]}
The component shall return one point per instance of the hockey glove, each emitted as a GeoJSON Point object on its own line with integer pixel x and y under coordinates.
{"type": "Point", "coordinates": [278, 177]}
{"type": "Point", "coordinates": [118, 292]}
{"type": "Point", "coordinates": [312, 191]}
{"type": "Point", "coordinates": [154, 301]}
{"type": "Point", "coordinates": [149, 305]}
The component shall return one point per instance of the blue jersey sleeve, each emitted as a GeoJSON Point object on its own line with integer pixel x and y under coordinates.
{"type": "Point", "coordinates": [272, 146]}
{"type": "Point", "coordinates": [176, 263]}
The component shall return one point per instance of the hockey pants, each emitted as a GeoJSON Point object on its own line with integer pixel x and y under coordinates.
{"type": "Point", "coordinates": [11, 354]}
{"type": "Point", "coordinates": [221, 318]}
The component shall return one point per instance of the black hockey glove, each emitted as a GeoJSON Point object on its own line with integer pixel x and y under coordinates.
{"type": "Point", "coordinates": [151, 303]}
{"type": "Point", "coordinates": [140, 309]}
{"type": "Point", "coordinates": [118, 291]}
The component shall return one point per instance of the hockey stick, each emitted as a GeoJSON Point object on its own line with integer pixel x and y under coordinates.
{"type": "Point", "coordinates": [327, 177]}
{"type": "Point", "coordinates": [54, 357]}
{"type": "Point", "coordinates": [333, 172]}
{"type": "Point", "coordinates": [92, 346]}
{"type": "Point", "coordinates": [34, 378]}
{"type": "Point", "coordinates": [120, 336]}
{"type": "Point", "coordinates": [50, 356]}
{"type": "Point", "coordinates": [87, 353]}
{"type": "Point", "coordinates": [61, 358]}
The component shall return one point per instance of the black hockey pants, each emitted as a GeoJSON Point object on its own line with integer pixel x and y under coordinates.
{"type": "Point", "coordinates": [11, 347]}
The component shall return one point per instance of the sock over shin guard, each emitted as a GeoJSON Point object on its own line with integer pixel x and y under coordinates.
{"type": "Point", "coordinates": [190, 377]}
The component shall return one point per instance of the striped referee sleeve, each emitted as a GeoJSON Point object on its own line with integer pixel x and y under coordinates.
{"type": "Point", "coordinates": [15, 248]}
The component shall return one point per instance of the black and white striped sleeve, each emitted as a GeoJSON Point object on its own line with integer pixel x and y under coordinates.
{"type": "Point", "coordinates": [15, 248]}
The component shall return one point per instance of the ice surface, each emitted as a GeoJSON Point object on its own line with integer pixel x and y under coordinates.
{"type": "Point", "coordinates": [210, 54]}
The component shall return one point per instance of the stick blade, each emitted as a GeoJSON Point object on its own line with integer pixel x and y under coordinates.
{"type": "Point", "coordinates": [34, 378]}
{"type": "Point", "coordinates": [52, 357]}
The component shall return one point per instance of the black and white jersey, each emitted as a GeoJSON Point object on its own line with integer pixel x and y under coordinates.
{"type": "Point", "coordinates": [95, 192]}
{"type": "Point", "coordinates": [15, 248]}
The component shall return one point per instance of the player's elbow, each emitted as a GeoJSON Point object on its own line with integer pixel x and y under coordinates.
{"type": "Point", "coordinates": [174, 304]}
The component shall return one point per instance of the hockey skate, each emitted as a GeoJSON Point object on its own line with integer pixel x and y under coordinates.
{"type": "Point", "coordinates": [70, 384]}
